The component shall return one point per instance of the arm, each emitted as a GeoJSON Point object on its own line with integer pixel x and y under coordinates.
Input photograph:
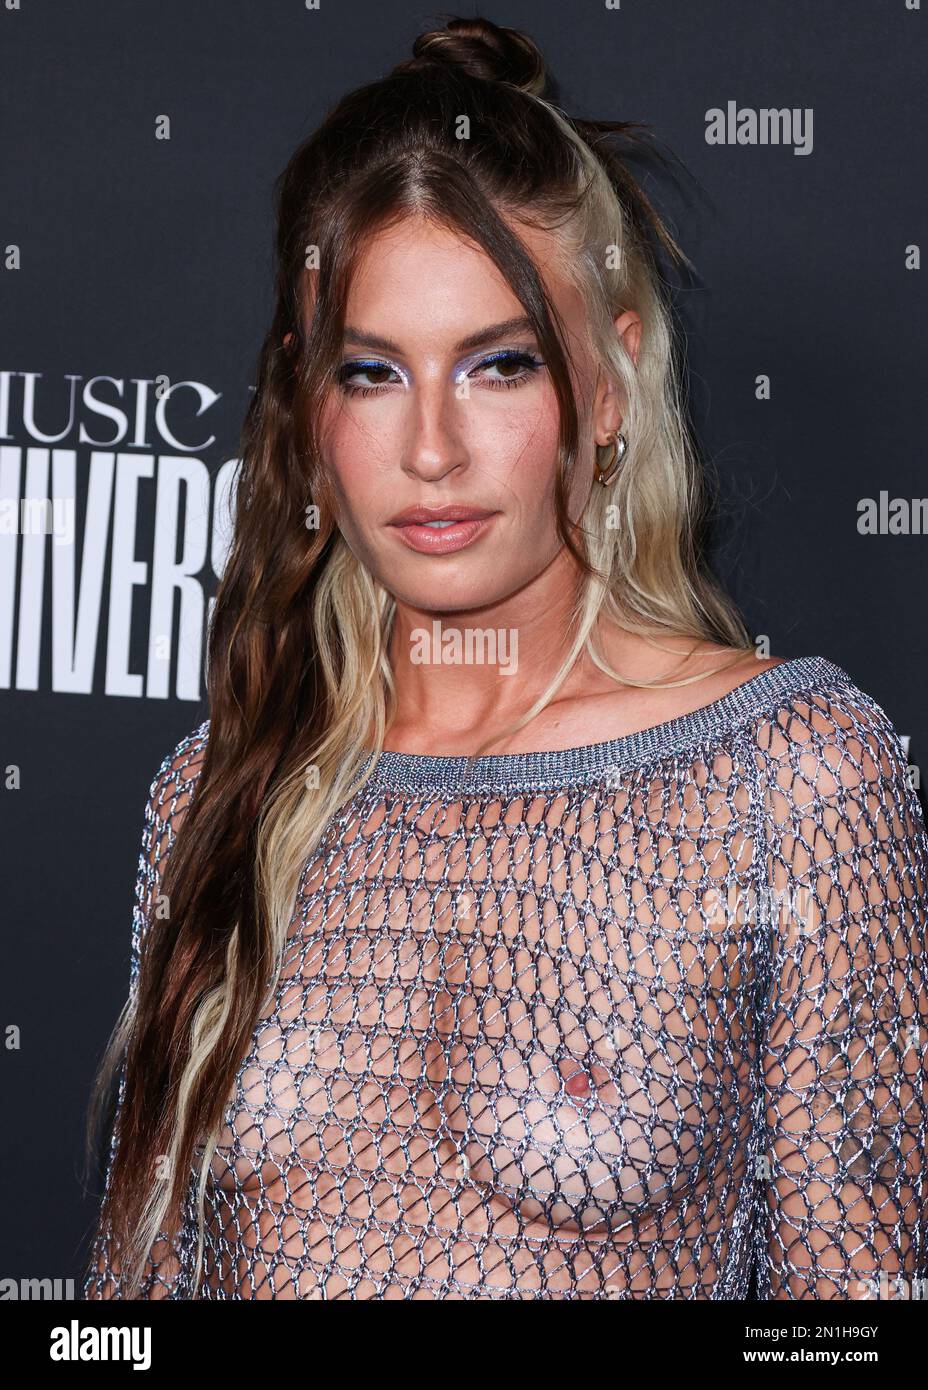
{"type": "Point", "coordinates": [168, 799]}
{"type": "Point", "coordinates": [843, 1030]}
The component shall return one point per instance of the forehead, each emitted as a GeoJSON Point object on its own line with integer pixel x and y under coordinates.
{"type": "Point", "coordinates": [418, 275]}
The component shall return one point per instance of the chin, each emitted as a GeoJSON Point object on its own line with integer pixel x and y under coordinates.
{"type": "Point", "coordinates": [440, 602]}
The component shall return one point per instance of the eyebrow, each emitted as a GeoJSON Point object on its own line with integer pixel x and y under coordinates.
{"type": "Point", "coordinates": [482, 338]}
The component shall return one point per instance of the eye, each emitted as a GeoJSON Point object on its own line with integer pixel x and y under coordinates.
{"type": "Point", "coordinates": [505, 369]}
{"type": "Point", "coordinates": [377, 373]}
{"type": "Point", "coordinates": [515, 368]}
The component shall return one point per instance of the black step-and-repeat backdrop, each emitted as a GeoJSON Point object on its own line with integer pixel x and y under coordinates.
{"type": "Point", "coordinates": [139, 145]}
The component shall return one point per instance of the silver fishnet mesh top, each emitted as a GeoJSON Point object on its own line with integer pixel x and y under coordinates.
{"type": "Point", "coordinates": [642, 1019]}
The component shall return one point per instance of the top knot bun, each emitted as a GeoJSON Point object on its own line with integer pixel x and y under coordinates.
{"type": "Point", "coordinates": [481, 49]}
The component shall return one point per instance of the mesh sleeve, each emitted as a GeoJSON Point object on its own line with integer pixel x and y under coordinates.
{"type": "Point", "coordinates": [844, 1022]}
{"type": "Point", "coordinates": [169, 795]}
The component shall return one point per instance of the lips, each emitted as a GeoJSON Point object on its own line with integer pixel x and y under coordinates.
{"type": "Point", "coordinates": [441, 530]}
{"type": "Point", "coordinates": [421, 516]}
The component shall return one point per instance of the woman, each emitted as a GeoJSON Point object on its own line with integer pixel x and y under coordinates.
{"type": "Point", "coordinates": [601, 980]}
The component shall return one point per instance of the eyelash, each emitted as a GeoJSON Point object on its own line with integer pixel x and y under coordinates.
{"type": "Point", "coordinates": [528, 360]}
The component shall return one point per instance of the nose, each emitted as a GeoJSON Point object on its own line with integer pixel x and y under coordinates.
{"type": "Point", "coordinates": [434, 445]}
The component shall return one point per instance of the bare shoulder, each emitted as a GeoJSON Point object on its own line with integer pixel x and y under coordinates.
{"type": "Point", "coordinates": [726, 669]}
{"type": "Point", "coordinates": [687, 681]}
{"type": "Point", "coordinates": [711, 669]}
{"type": "Point", "coordinates": [673, 682]}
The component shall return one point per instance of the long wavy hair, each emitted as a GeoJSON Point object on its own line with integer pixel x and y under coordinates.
{"type": "Point", "coordinates": [298, 671]}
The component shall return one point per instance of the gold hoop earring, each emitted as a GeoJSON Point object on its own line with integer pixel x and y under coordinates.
{"type": "Point", "coordinates": [606, 475]}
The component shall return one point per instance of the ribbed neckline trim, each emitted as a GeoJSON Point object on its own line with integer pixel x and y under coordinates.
{"type": "Point", "coordinates": [563, 766]}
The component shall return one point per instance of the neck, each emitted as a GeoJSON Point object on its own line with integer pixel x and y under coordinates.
{"type": "Point", "coordinates": [480, 669]}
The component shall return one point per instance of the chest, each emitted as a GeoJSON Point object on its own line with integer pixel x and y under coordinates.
{"type": "Point", "coordinates": [543, 1000]}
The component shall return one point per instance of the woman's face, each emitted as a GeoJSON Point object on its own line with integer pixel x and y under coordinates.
{"type": "Point", "coordinates": [440, 405]}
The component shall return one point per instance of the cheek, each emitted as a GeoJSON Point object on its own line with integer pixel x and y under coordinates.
{"type": "Point", "coordinates": [514, 445]}
{"type": "Point", "coordinates": [358, 464]}
{"type": "Point", "coordinates": [528, 473]}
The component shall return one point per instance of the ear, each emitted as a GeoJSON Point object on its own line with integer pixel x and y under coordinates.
{"type": "Point", "coordinates": [628, 327]}
{"type": "Point", "coordinates": [288, 339]}
{"type": "Point", "coordinates": [608, 408]}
